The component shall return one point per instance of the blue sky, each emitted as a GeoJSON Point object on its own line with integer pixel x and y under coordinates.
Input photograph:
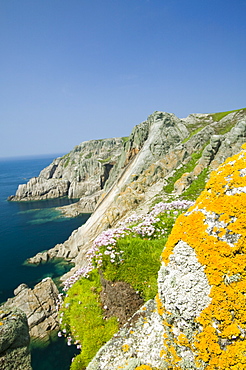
{"type": "Point", "coordinates": [76, 70]}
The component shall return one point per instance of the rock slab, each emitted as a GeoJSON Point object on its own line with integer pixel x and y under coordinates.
{"type": "Point", "coordinates": [39, 306]}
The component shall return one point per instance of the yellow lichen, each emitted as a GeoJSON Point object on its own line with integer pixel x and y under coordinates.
{"type": "Point", "coordinates": [125, 347]}
{"type": "Point", "coordinates": [220, 343]}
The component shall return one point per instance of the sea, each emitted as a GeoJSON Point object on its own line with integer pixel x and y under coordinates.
{"type": "Point", "coordinates": [27, 228]}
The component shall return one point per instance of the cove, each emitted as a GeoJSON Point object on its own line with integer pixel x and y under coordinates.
{"type": "Point", "coordinates": [27, 228]}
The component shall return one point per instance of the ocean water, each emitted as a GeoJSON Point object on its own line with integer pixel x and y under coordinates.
{"type": "Point", "coordinates": [27, 228]}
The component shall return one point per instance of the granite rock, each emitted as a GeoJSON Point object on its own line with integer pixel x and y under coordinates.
{"type": "Point", "coordinates": [14, 340]}
{"type": "Point", "coordinates": [80, 173]}
{"type": "Point", "coordinates": [39, 306]}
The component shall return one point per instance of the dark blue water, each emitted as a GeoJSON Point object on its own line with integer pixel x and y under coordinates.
{"type": "Point", "coordinates": [27, 228]}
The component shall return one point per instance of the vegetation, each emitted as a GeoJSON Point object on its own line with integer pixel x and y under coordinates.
{"type": "Point", "coordinates": [197, 186]}
{"type": "Point", "coordinates": [66, 162]}
{"type": "Point", "coordinates": [218, 116]}
{"type": "Point", "coordinates": [82, 316]}
{"type": "Point", "coordinates": [104, 160]}
{"type": "Point", "coordinates": [130, 253]}
{"type": "Point", "coordinates": [88, 156]}
{"type": "Point", "coordinates": [192, 134]}
{"type": "Point", "coordinates": [224, 259]}
{"type": "Point", "coordinates": [179, 172]}
{"type": "Point", "coordinates": [125, 139]}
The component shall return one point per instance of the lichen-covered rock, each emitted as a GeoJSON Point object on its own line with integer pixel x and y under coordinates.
{"type": "Point", "coordinates": [202, 281]}
{"type": "Point", "coordinates": [200, 322]}
{"type": "Point", "coordinates": [39, 306]}
{"type": "Point", "coordinates": [139, 341]}
{"type": "Point", "coordinates": [14, 340]}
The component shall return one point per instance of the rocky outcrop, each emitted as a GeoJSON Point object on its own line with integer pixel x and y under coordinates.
{"type": "Point", "coordinates": [155, 149]}
{"type": "Point", "coordinates": [39, 306]}
{"type": "Point", "coordinates": [162, 132]}
{"type": "Point", "coordinates": [219, 148]}
{"type": "Point", "coordinates": [198, 320]}
{"type": "Point", "coordinates": [86, 204]}
{"type": "Point", "coordinates": [152, 139]}
{"type": "Point", "coordinates": [127, 349]}
{"type": "Point", "coordinates": [80, 173]}
{"type": "Point", "coordinates": [14, 340]}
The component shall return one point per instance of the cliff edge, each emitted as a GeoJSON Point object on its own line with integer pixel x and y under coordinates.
{"type": "Point", "coordinates": [198, 318]}
{"type": "Point", "coordinates": [81, 173]}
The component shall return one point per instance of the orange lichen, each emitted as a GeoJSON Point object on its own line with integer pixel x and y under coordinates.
{"type": "Point", "coordinates": [182, 340]}
{"type": "Point", "coordinates": [220, 342]}
{"type": "Point", "coordinates": [125, 347]}
{"type": "Point", "coordinates": [160, 308]}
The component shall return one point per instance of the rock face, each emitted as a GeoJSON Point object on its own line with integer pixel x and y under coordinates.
{"type": "Point", "coordinates": [149, 141]}
{"type": "Point", "coordinates": [14, 340]}
{"type": "Point", "coordinates": [155, 149]}
{"type": "Point", "coordinates": [161, 133]}
{"type": "Point", "coordinates": [198, 320]}
{"type": "Point", "coordinates": [127, 349]}
{"type": "Point", "coordinates": [80, 173]}
{"type": "Point", "coordinates": [39, 306]}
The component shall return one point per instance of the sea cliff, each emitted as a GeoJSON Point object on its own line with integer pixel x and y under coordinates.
{"type": "Point", "coordinates": [164, 159]}
{"type": "Point", "coordinates": [197, 320]}
{"type": "Point", "coordinates": [155, 152]}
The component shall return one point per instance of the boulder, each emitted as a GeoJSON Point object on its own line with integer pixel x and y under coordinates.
{"type": "Point", "coordinates": [139, 341]}
{"type": "Point", "coordinates": [39, 306]}
{"type": "Point", "coordinates": [14, 340]}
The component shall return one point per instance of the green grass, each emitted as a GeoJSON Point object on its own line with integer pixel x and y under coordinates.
{"type": "Point", "coordinates": [192, 134]}
{"type": "Point", "coordinates": [104, 160]}
{"type": "Point", "coordinates": [83, 318]}
{"type": "Point", "coordinates": [178, 173]}
{"type": "Point", "coordinates": [82, 313]}
{"type": "Point", "coordinates": [142, 263]}
{"type": "Point", "coordinates": [158, 199]}
{"type": "Point", "coordinates": [223, 130]}
{"type": "Point", "coordinates": [66, 162]}
{"type": "Point", "coordinates": [197, 186]}
{"type": "Point", "coordinates": [141, 259]}
{"type": "Point", "coordinates": [218, 116]}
